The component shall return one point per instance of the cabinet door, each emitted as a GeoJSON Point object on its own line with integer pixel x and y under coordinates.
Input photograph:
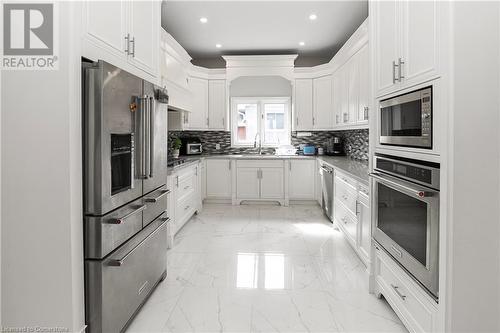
{"type": "Point", "coordinates": [302, 179]}
{"type": "Point", "coordinates": [105, 23]}
{"type": "Point", "coordinates": [144, 30]}
{"type": "Point", "coordinates": [198, 118]}
{"type": "Point", "coordinates": [344, 94]}
{"type": "Point", "coordinates": [364, 226]}
{"type": "Point", "coordinates": [386, 42]}
{"type": "Point", "coordinates": [247, 183]}
{"type": "Point", "coordinates": [217, 104]}
{"type": "Point", "coordinates": [364, 85]}
{"type": "Point", "coordinates": [203, 175]}
{"type": "Point", "coordinates": [353, 90]}
{"type": "Point", "coordinates": [303, 110]}
{"type": "Point", "coordinates": [420, 40]}
{"type": "Point", "coordinates": [322, 103]}
{"type": "Point", "coordinates": [271, 183]}
{"type": "Point", "coordinates": [218, 178]}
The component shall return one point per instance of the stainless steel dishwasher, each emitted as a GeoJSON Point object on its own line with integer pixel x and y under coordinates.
{"type": "Point", "coordinates": [327, 175]}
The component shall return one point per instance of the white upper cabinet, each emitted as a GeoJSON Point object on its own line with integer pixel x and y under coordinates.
{"type": "Point", "coordinates": [198, 117]}
{"type": "Point", "coordinates": [364, 85]}
{"type": "Point", "coordinates": [303, 105]}
{"type": "Point", "coordinates": [420, 40]}
{"type": "Point", "coordinates": [143, 35]}
{"type": "Point", "coordinates": [405, 40]}
{"type": "Point", "coordinates": [217, 110]}
{"type": "Point", "coordinates": [353, 90]}
{"type": "Point", "coordinates": [124, 33]}
{"type": "Point", "coordinates": [108, 31]}
{"type": "Point", "coordinates": [337, 86]}
{"type": "Point", "coordinates": [322, 103]}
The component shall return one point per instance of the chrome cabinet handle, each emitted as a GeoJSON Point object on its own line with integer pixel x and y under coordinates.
{"type": "Point", "coordinates": [207, 122]}
{"type": "Point", "coordinates": [297, 121]}
{"type": "Point", "coordinates": [186, 208]}
{"type": "Point", "coordinates": [357, 208]}
{"type": "Point", "coordinates": [223, 122]}
{"type": "Point", "coordinates": [400, 69]}
{"type": "Point", "coordinates": [122, 219]}
{"type": "Point", "coordinates": [394, 79]}
{"type": "Point", "coordinates": [127, 45]}
{"type": "Point", "coordinates": [396, 289]}
{"type": "Point", "coordinates": [133, 47]}
{"type": "Point", "coordinates": [336, 118]}
{"type": "Point", "coordinates": [186, 187]}
{"type": "Point", "coordinates": [365, 113]}
{"type": "Point", "coordinates": [229, 164]}
{"type": "Point", "coordinates": [121, 261]}
{"type": "Point", "coordinates": [177, 181]}
{"type": "Point", "coordinates": [399, 253]}
{"type": "Point", "coordinates": [314, 121]}
{"type": "Point", "coordinates": [163, 193]}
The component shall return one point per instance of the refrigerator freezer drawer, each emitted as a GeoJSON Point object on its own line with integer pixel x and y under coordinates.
{"type": "Point", "coordinates": [106, 233]}
{"type": "Point", "coordinates": [117, 286]}
{"type": "Point", "coordinates": [156, 203]}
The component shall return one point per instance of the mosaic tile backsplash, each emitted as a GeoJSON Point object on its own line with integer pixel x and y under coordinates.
{"type": "Point", "coordinates": [355, 141]}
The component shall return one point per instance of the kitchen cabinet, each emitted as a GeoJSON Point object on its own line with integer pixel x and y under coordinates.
{"type": "Point", "coordinates": [198, 117]}
{"type": "Point", "coordinates": [364, 221]}
{"type": "Point", "coordinates": [352, 90]}
{"type": "Point", "coordinates": [260, 180]}
{"type": "Point", "coordinates": [303, 105]}
{"type": "Point", "coordinates": [217, 110]}
{"type": "Point", "coordinates": [203, 179]}
{"type": "Point", "coordinates": [218, 178]}
{"type": "Point", "coordinates": [272, 183]}
{"type": "Point", "coordinates": [248, 183]}
{"type": "Point", "coordinates": [124, 33]}
{"type": "Point", "coordinates": [302, 179]}
{"type": "Point", "coordinates": [322, 103]}
{"type": "Point", "coordinates": [406, 43]}
{"type": "Point", "coordinates": [364, 95]}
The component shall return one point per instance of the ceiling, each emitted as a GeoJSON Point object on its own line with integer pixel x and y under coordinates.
{"type": "Point", "coordinates": [262, 27]}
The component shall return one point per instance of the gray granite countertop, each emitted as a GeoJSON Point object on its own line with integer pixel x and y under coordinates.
{"type": "Point", "coordinates": [355, 168]}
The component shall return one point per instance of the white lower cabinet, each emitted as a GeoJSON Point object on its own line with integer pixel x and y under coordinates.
{"type": "Point", "coordinates": [260, 180]}
{"type": "Point", "coordinates": [218, 179]}
{"type": "Point", "coordinates": [302, 179]}
{"type": "Point", "coordinates": [184, 198]}
{"type": "Point", "coordinates": [417, 310]}
{"type": "Point", "coordinates": [352, 213]}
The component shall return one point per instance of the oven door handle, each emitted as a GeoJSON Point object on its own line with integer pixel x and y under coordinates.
{"type": "Point", "coordinates": [399, 185]}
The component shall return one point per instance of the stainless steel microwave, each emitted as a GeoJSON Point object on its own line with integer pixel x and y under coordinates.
{"type": "Point", "coordinates": [406, 120]}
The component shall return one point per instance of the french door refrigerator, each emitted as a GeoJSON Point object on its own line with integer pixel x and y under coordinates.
{"type": "Point", "coordinates": [125, 194]}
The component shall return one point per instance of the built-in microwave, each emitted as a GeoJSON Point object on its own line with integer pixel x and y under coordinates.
{"type": "Point", "coordinates": [406, 120]}
{"type": "Point", "coordinates": [406, 215]}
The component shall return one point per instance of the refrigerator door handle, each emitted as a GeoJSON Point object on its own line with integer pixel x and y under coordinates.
{"type": "Point", "coordinates": [147, 143]}
{"type": "Point", "coordinates": [140, 137]}
{"type": "Point", "coordinates": [152, 115]}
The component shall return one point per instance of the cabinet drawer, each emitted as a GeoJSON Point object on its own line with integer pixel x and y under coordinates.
{"type": "Point", "coordinates": [346, 194]}
{"type": "Point", "coordinates": [346, 221]}
{"type": "Point", "coordinates": [156, 203]}
{"type": "Point", "coordinates": [346, 179]}
{"type": "Point", "coordinates": [186, 187]}
{"type": "Point", "coordinates": [183, 209]}
{"type": "Point", "coordinates": [118, 285]}
{"type": "Point", "coordinates": [403, 293]}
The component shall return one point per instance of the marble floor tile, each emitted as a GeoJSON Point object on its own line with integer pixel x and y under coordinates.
{"type": "Point", "coordinates": [263, 268]}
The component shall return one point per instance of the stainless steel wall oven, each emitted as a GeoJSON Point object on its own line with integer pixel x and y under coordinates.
{"type": "Point", "coordinates": [406, 225]}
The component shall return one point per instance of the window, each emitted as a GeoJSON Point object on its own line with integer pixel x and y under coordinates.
{"type": "Point", "coordinates": [268, 118]}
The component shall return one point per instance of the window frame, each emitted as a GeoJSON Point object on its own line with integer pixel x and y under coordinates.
{"type": "Point", "coordinates": [260, 101]}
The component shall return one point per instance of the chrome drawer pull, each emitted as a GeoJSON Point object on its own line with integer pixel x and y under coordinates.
{"type": "Point", "coordinates": [163, 193]}
{"type": "Point", "coordinates": [396, 289]}
{"type": "Point", "coordinates": [121, 261]}
{"type": "Point", "coordinates": [123, 218]}
{"type": "Point", "coordinates": [186, 208]}
{"type": "Point", "coordinates": [186, 187]}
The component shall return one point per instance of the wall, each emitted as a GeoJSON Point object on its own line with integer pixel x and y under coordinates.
{"type": "Point", "coordinates": [473, 270]}
{"type": "Point", "coordinates": [261, 86]}
{"type": "Point", "coordinates": [355, 142]}
{"type": "Point", "coordinates": [42, 236]}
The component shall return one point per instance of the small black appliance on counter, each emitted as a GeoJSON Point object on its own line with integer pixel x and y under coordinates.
{"type": "Point", "coordinates": [334, 147]}
{"type": "Point", "coordinates": [191, 146]}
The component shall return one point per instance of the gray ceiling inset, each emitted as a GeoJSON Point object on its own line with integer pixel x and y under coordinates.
{"type": "Point", "coordinates": [262, 27]}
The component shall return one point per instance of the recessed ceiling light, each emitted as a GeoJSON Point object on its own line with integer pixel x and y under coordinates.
{"type": "Point", "coordinates": [218, 46]}
{"type": "Point", "coordinates": [302, 43]}
{"type": "Point", "coordinates": [203, 20]}
{"type": "Point", "coordinates": [312, 17]}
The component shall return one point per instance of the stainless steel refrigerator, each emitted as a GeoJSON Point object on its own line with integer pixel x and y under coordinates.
{"type": "Point", "coordinates": [125, 193]}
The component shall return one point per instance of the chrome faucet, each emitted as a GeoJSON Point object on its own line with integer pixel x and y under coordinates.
{"type": "Point", "coordinates": [260, 143]}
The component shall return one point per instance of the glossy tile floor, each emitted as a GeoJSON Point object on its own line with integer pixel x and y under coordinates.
{"type": "Point", "coordinates": [262, 268]}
